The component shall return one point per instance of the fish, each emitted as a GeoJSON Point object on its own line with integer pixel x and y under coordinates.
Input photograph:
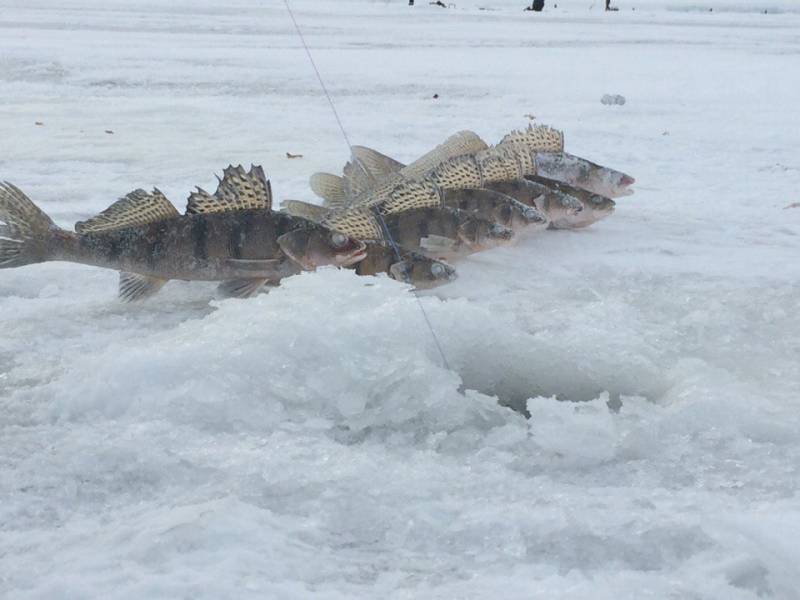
{"type": "Point", "coordinates": [584, 174]}
{"type": "Point", "coordinates": [486, 204]}
{"type": "Point", "coordinates": [232, 236]}
{"type": "Point", "coordinates": [409, 267]}
{"type": "Point", "coordinates": [441, 233]}
{"type": "Point", "coordinates": [561, 209]}
{"type": "Point", "coordinates": [595, 206]}
{"type": "Point", "coordinates": [498, 208]}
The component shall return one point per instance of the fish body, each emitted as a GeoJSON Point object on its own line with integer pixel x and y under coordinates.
{"type": "Point", "coordinates": [498, 208]}
{"type": "Point", "coordinates": [231, 236]}
{"type": "Point", "coordinates": [445, 233]}
{"type": "Point", "coordinates": [560, 208]}
{"type": "Point", "coordinates": [195, 247]}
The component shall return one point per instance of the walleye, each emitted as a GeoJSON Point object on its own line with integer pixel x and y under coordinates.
{"type": "Point", "coordinates": [595, 206]}
{"type": "Point", "coordinates": [483, 203]}
{"type": "Point", "coordinates": [413, 268]}
{"type": "Point", "coordinates": [561, 209]}
{"type": "Point", "coordinates": [231, 236]}
{"type": "Point", "coordinates": [443, 232]}
{"type": "Point", "coordinates": [584, 174]}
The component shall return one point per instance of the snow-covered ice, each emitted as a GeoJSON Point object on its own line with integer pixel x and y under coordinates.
{"type": "Point", "coordinates": [310, 442]}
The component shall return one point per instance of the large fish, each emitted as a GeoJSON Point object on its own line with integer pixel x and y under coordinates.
{"type": "Point", "coordinates": [231, 236]}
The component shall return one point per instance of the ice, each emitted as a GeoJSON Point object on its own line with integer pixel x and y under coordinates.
{"type": "Point", "coordinates": [617, 415]}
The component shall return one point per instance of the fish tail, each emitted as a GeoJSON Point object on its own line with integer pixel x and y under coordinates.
{"type": "Point", "coordinates": [27, 234]}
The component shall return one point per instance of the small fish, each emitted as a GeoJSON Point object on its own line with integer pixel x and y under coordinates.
{"type": "Point", "coordinates": [584, 174]}
{"type": "Point", "coordinates": [231, 236]}
{"type": "Point", "coordinates": [595, 206]}
{"type": "Point", "coordinates": [561, 209]}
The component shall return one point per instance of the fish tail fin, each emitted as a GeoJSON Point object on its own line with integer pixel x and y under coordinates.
{"type": "Point", "coordinates": [26, 232]}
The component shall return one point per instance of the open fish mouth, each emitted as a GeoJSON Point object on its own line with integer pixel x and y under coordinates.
{"type": "Point", "coordinates": [354, 256]}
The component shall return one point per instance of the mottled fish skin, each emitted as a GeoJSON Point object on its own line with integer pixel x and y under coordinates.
{"type": "Point", "coordinates": [595, 206]}
{"type": "Point", "coordinates": [467, 233]}
{"type": "Point", "coordinates": [190, 247]}
{"type": "Point", "coordinates": [584, 174]}
{"type": "Point", "coordinates": [499, 208]}
{"type": "Point", "coordinates": [560, 208]}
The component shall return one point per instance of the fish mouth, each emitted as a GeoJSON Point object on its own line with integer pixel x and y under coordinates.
{"type": "Point", "coordinates": [354, 256]}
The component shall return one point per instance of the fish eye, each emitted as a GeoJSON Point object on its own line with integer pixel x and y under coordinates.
{"type": "Point", "coordinates": [437, 269]}
{"type": "Point", "coordinates": [338, 239]}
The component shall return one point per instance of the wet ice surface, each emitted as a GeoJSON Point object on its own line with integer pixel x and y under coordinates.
{"type": "Point", "coordinates": [310, 441]}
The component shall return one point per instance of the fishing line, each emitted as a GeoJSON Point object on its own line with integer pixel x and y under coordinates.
{"type": "Point", "coordinates": [377, 213]}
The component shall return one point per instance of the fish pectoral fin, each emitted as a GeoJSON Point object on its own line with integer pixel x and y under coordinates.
{"type": "Point", "coordinates": [241, 288]}
{"type": "Point", "coordinates": [437, 244]}
{"type": "Point", "coordinates": [253, 268]}
{"type": "Point", "coordinates": [137, 208]}
{"type": "Point", "coordinates": [134, 287]}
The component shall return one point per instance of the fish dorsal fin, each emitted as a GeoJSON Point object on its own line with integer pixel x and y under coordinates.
{"type": "Point", "coordinates": [378, 165]}
{"type": "Point", "coordinates": [411, 194]}
{"type": "Point", "coordinates": [357, 181]}
{"type": "Point", "coordinates": [137, 208]}
{"type": "Point", "coordinates": [306, 210]}
{"type": "Point", "coordinates": [541, 138]}
{"type": "Point", "coordinates": [134, 287]}
{"type": "Point", "coordinates": [329, 187]}
{"type": "Point", "coordinates": [237, 190]}
{"type": "Point", "coordinates": [463, 142]}
{"type": "Point", "coordinates": [359, 223]}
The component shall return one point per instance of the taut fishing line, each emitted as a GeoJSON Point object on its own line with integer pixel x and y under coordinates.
{"type": "Point", "coordinates": [377, 213]}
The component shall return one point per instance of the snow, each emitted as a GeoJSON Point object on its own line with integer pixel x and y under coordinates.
{"type": "Point", "coordinates": [311, 441]}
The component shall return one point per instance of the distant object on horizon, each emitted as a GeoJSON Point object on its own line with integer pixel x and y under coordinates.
{"type": "Point", "coordinates": [536, 6]}
{"type": "Point", "coordinates": [610, 99]}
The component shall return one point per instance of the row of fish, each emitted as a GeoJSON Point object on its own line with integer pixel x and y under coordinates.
{"type": "Point", "coordinates": [379, 216]}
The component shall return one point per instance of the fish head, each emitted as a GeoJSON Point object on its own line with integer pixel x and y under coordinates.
{"type": "Point", "coordinates": [422, 272]}
{"type": "Point", "coordinates": [315, 246]}
{"type": "Point", "coordinates": [584, 174]}
{"type": "Point", "coordinates": [481, 234]}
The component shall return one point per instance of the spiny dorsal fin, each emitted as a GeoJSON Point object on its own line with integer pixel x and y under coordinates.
{"type": "Point", "coordinates": [359, 182]}
{"type": "Point", "coordinates": [329, 187]}
{"type": "Point", "coordinates": [538, 139]}
{"type": "Point", "coordinates": [356, 181]}
{"type": "Point", "coordinates": [378, 165]}
{"type": "Point", "coordinates": [137, 208]}
{"type": "Point", "coordinates": [237, 190]}
{"type": "Point", "coordinates": [463, 142]}
{"type": "Point", "coordinates": [134, 287]}
{"type": "Point", "coordinates": [306, 210]}
{"type": "Point", "coordinates": [358, 223]}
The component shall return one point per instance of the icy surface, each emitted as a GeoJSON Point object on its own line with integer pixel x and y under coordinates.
{"type": "Point", "coordinates": [310, 442]}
